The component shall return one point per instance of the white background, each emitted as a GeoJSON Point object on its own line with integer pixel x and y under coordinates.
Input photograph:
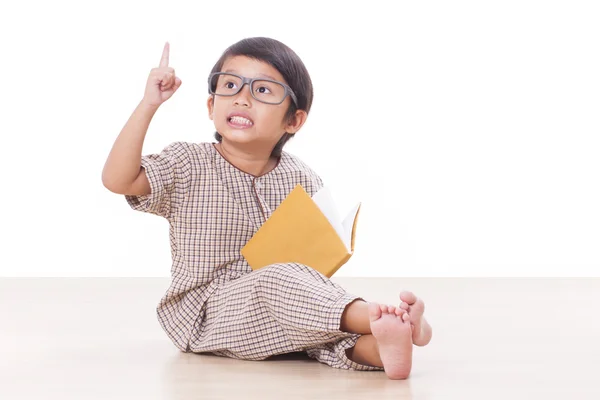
{"type": "Point", "coordinates": [468, 129]}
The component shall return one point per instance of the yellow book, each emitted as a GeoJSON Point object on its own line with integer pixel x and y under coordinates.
{"type": "Point", "coordinates": [304, 230]}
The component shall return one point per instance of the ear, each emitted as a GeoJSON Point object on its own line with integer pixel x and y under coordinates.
{"type": "Point", "coordinates": [296, 122]}
{"type": "Point", "coordinates": [210, 104]}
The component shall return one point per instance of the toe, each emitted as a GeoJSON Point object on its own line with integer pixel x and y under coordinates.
{"type": "Point", "coordinates": [404, 306]}
{"type": "Point", "coordinates": [374, 311]}
{"type": "Point", "coordinates": [408, 297]}
{"type": "Point", "coordinates": [418, 307]}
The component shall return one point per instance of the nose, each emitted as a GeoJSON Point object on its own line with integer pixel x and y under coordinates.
{"type": "Point", "coordinates": [243, 96]}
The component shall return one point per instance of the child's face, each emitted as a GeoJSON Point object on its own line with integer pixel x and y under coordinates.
{"type": "Point", "coordinates": [267, 120]}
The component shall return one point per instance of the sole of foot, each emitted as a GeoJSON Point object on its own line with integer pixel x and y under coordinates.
{"type": "Point", "coordinates": [391, 327]}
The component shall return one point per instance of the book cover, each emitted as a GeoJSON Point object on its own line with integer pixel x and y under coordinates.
{"type": "Point", "coordinates": [305, 231]}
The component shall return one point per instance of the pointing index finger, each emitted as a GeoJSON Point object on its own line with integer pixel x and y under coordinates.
{"type": "Point", "coordinates": [164, 61]}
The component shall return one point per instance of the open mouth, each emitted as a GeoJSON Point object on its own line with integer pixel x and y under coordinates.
{"type": "Point", "coordinates": [239, 122]}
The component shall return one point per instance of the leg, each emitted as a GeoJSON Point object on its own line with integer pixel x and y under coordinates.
{"type": "Point", "coordinates": [279, 309]}
{"type": "Point", "coordinates": [365, 352]}
{"type": "Point", "coordinates": [355, 318]}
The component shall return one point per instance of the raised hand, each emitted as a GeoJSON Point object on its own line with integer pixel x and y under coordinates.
{"type": "Point", "coordinates": [162, 82]}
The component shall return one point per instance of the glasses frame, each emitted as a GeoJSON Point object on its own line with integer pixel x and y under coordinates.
{"type": "Point", "coordinates": [287, 90]}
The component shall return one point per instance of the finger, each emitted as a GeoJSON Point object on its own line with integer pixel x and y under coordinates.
{"type": "Point", "coordinates": [164, 61]}
{"type": "Point", "coordinates": [165, 82]}
{"type": "Point", "coordinates": [177, 83]}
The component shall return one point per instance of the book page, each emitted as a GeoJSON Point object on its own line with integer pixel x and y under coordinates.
{"type": "Point", "coordinates": [324, 201]}
{"type": "Point", "coordinates": [348, 223]}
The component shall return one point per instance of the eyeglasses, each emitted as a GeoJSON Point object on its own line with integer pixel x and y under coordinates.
{"type": "Point", "coordinates": [264, 90]}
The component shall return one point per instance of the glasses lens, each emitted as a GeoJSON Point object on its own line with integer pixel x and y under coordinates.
{"type": "Point", "coordinates": [225, 84]}
{"type": "Point", "coordinates": [268, 92]}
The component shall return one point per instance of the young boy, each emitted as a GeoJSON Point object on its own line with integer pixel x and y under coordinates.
{"type": "Point", "coordinates": [216, 196]}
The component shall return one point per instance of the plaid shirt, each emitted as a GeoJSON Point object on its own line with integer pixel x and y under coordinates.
{"type": "Point", "coordinates": [213, 209]}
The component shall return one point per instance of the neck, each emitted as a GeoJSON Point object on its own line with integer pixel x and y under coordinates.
{"type": "Point", "coordinates": [254, 163]}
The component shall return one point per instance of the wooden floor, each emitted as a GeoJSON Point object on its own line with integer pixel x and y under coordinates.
{"type": "Point", "coordinates": [72, 338]}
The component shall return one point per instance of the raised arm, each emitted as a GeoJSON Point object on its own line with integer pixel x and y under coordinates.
{"type": "Point", "coordinates": [122, 171]}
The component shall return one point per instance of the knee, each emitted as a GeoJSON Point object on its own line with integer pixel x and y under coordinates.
{"type": "Point", "coordinates": [270, 272]}
{"type": "Point", "coordinates": [281, 271]}
{"type": "Point", "coordinates": [277, 277]}
{"type": "Point", "coordinates": [267, 280]}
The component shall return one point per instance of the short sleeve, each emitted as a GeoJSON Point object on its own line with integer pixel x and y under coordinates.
{"type": "Point", "coordinates": [316, 183]}
{"type": "Point", "coordinates": [169, 176]}
{"type": "Point", "coordinates": [303, 174]}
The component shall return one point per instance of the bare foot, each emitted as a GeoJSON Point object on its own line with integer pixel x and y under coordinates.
{"type": "Point", "coordinates": [391, 327]}
{"type": "Point", "coordinates": [415, 307]}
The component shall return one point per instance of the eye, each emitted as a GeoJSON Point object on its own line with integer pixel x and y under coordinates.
{"type": "Point", "coordinates": [263, 90]}
{"type": "Point", "coordinates": [227, 85]}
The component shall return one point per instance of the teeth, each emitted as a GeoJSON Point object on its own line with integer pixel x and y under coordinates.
{"type": "Point", "coordinates": [241, 120]}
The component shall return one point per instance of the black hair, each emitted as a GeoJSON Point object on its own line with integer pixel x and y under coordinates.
{"type": "Point", "coordinates": [284, 60]}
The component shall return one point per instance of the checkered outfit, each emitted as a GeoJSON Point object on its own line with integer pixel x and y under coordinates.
{"type": "Point", "coordinates": [215, 302]}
